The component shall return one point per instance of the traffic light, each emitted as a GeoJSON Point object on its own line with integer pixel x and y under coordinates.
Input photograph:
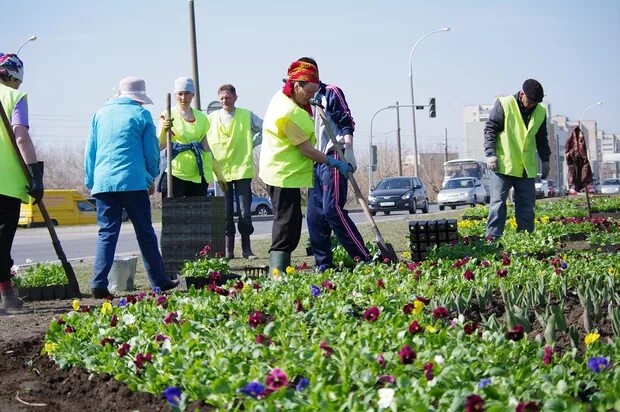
{"type": "Point", "coordinates": [373, 158]}
{"type": "Point", "coordinates": [432, 111]}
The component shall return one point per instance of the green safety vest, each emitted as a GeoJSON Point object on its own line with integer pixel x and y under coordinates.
{"type": "Point", "coordinates": [232, 145]}
{"type": "Point", "coordinates": [184, 165]}
{"type": "Point", "coordinates": [13, 182]}
{"type": "Point", "coordinates": [281, 163]}
{"type": "Point", "coordinates": [516, 144]}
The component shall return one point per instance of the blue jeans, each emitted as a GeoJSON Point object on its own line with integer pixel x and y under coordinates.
{"type": "Point", "coordinates": [109, 212]}
{"type": "Point", "coordinates": [326, 213]}
{"type": "Point", "coordinates": [525, 199]}
{"type": "Point", "coordinates": [242, 188]}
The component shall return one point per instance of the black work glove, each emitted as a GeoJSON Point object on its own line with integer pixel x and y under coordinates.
{"type": "Point", "coordinates": [35, 190]}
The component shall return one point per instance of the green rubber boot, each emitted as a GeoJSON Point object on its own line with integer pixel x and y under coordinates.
{"type": "Point", "coordinates": [279, 260]}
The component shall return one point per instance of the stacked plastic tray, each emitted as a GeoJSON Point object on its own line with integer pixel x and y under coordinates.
{"type": "Point", "coordinates": [424, 235]}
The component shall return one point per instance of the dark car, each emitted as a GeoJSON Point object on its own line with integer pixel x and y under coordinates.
{"type": "Point", "coordinates": [260, 206]}
{"type": "Point", "coordinates": [398, 193]}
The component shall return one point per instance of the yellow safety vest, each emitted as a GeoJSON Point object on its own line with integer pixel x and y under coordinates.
{"type": "Point", "coordinates": [516, 144]}
{"type": "Point", "coordinates": [13, 182]}
{"type": "Point", "coordinates": [184, 165]}
{"type": "Point", "coordinates": [281, 163]}
{"type": "Point", "coordinates": [231, 145]}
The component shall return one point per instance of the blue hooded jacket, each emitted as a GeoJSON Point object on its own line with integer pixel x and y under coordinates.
{"type": "Point", "coordinates": [122, 152]}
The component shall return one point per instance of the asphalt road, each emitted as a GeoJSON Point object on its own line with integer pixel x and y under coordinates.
{"type": "Point", "coordinates": [78, 242]}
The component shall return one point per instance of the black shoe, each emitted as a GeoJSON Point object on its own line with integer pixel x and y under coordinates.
{"type": "Point", "coordinates": [173, 284]}
{"type": "Point", "coordinates": [101, 293]}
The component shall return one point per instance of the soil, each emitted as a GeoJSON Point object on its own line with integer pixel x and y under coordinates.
{"type": "Point", "coordinates": [35, 379]}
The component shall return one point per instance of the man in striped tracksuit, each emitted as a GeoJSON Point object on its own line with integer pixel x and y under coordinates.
{"type": "Point", "coordinates": [327, 198]}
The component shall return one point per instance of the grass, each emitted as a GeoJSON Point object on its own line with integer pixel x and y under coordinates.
{"type": "Point", "coordinates": [394, 231]}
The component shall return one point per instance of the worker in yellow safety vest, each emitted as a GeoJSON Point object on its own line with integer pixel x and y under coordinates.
{"type": "Point", "coordinates": [287, 158]}
{"type": "Point", "coordinates": [14, 188]}
{"type": "Point", "coordinates": [233, 134]}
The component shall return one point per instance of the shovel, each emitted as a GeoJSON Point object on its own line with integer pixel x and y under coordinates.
{"type": "Point", "coordinates": [387, 251]}
{"type": "Point", "coordinates": [73, 283]}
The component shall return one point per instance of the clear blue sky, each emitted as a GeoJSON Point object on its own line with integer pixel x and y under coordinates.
{"type": "Point", "coordinates": [85, 47]}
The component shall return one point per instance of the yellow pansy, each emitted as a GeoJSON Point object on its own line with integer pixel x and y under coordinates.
{"type": "Point", "coordinates": [544, 219]}
{"type": "Point", "coordinates": [49, 347]}
{"type": "Point", "coordinates": [290, 270]}
{"type": "Point", "coordinates": [76, 304]}
{"type": "Point", "coordinates": [106, 308]}
{"type": "Point", "coordinates": [406, 254]}
{"type": "Point", "coordinates": [591, 338]}
{"type": "Point", "coordinates": [417, 306]}
{"type": "Point", "coordinates": [431, 328]}
{"type": "Point", "coordinates": [611, 271]}
{"type": "Point", "coordinates": [276, 272]}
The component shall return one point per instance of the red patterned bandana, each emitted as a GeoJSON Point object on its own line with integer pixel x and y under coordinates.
{"type": "Point", "coordinates": [301, 72]}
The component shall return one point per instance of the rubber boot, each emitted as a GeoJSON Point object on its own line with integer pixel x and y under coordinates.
{"type": "Point", "coordinates": [246, 250]}
{"type": "Point", "coordinates": [279, 260]}
{"type": "Point", "coordinates": [10, 300]}
{"type": "Point", "coordinates": [230, 246]}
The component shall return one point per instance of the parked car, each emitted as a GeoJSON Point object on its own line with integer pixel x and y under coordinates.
{"type": "Point", "coordinates": [461, 191]}
{"type": "Point", "coordinates": [124, 215]}
{"type": "Point", "coordinates": [398, 193]}
{"type": "Point", "coordinates": [542, 188]}
{"type": "Point", "coordinates": [610, 186]}
{"type": "Point", "coordinates": [260, 206]}
{"type": "Point", "coordinates": [554, 190]}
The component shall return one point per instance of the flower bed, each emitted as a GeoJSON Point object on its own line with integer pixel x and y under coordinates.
{"type": "Point", "coordinates": [440, 335]}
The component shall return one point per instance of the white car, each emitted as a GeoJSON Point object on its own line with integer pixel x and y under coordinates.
{"type": "Point", "coordinates": [461, 191]}
{"type": "Point", "coordinates": [610, 186]}
{"type": "Point", "coordinates": [542, 187]}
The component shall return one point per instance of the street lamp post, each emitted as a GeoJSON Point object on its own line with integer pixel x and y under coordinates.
{"type": "Point", "coordinates": [31, 38]}
{"type": "Point", "coordinates": [583, 114]}
{"type": "Point", "coordinates": [415, 138]}
{"type": "Point", "coordinates": [370, 140]}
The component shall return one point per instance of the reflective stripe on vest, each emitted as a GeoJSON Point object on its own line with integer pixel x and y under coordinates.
{"type": "Point", "coordinates": [184, 165]}
{"type": "Point", "coordinates": [516, 144]}
{"type": "Point", "coordinates": [231, 145]}
{"type": "Point", "coordinates": [13, 182]}
{"type": "Point", "coordinates": [281, 163]}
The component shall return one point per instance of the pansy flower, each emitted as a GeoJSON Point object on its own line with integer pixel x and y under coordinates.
{"type": "Point", "coordinates": [547, 355]}
{"type": "Point", "coordinates": [415, 328]}
{"type": "Point", "coordinates": [531, 406]}
{"type": "Point", "coordinates": [302, 384]}
{"type": "Point", "coordinates": [328, 350]}
{"type": "Point", "coordinates": [597, 364]}
{"type": "Point", "coordinates": [315, 290]}
{"type": "Point", "coordinates": [407, 355]}
{"type": "Point", "coordinates": [257, 318]}
{"type": "Point", "coordinates": [122, 351]}
{"type": "Point", "coordinates": [171, 317]}
{"type": "Point", "coordinates": [516, 333]}
{"type": "Point", "coordinates": [276, 379]}
{"type": "Point", "coordinates": [441, 313]}
{"type": "Point", "coordinates": [254, 389]}
{"type": "Point", "coordinates": [173, 396]}
{"type": "Point", "coordinates": [474, 403]}
{"type": "Point", "coordinates": [372, 314]}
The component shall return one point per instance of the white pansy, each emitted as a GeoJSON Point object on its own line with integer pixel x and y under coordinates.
{"type": "Point", "coordinates": [166, 345]}
{"type": "Point", "coordinates": [386, 396]}
{"type": "Point", "coordinates": [128, 319]}
{"type": "Point", "coordinates": [439, 359]}
{"type": "Point", "coordinates": [432, 383]}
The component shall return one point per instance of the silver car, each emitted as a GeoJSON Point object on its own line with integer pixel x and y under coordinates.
{"type": "Point", "coordinates": [461, 191]}
{"type": "Point", "coordinates": [610, 186]}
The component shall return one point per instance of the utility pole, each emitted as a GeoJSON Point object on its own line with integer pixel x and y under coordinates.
{"type": "Point", "coordinates": [400, 157]}
{"type": "Point", "coordinates": [445, 139]}
{"type": "Point", "coordinates": [192, 35]}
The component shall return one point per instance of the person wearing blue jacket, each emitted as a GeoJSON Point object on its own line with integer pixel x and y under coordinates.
{"type": "Point", "coordinates": [326, 199]}
{"type": "Point", "coordinates": [121, 162]}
